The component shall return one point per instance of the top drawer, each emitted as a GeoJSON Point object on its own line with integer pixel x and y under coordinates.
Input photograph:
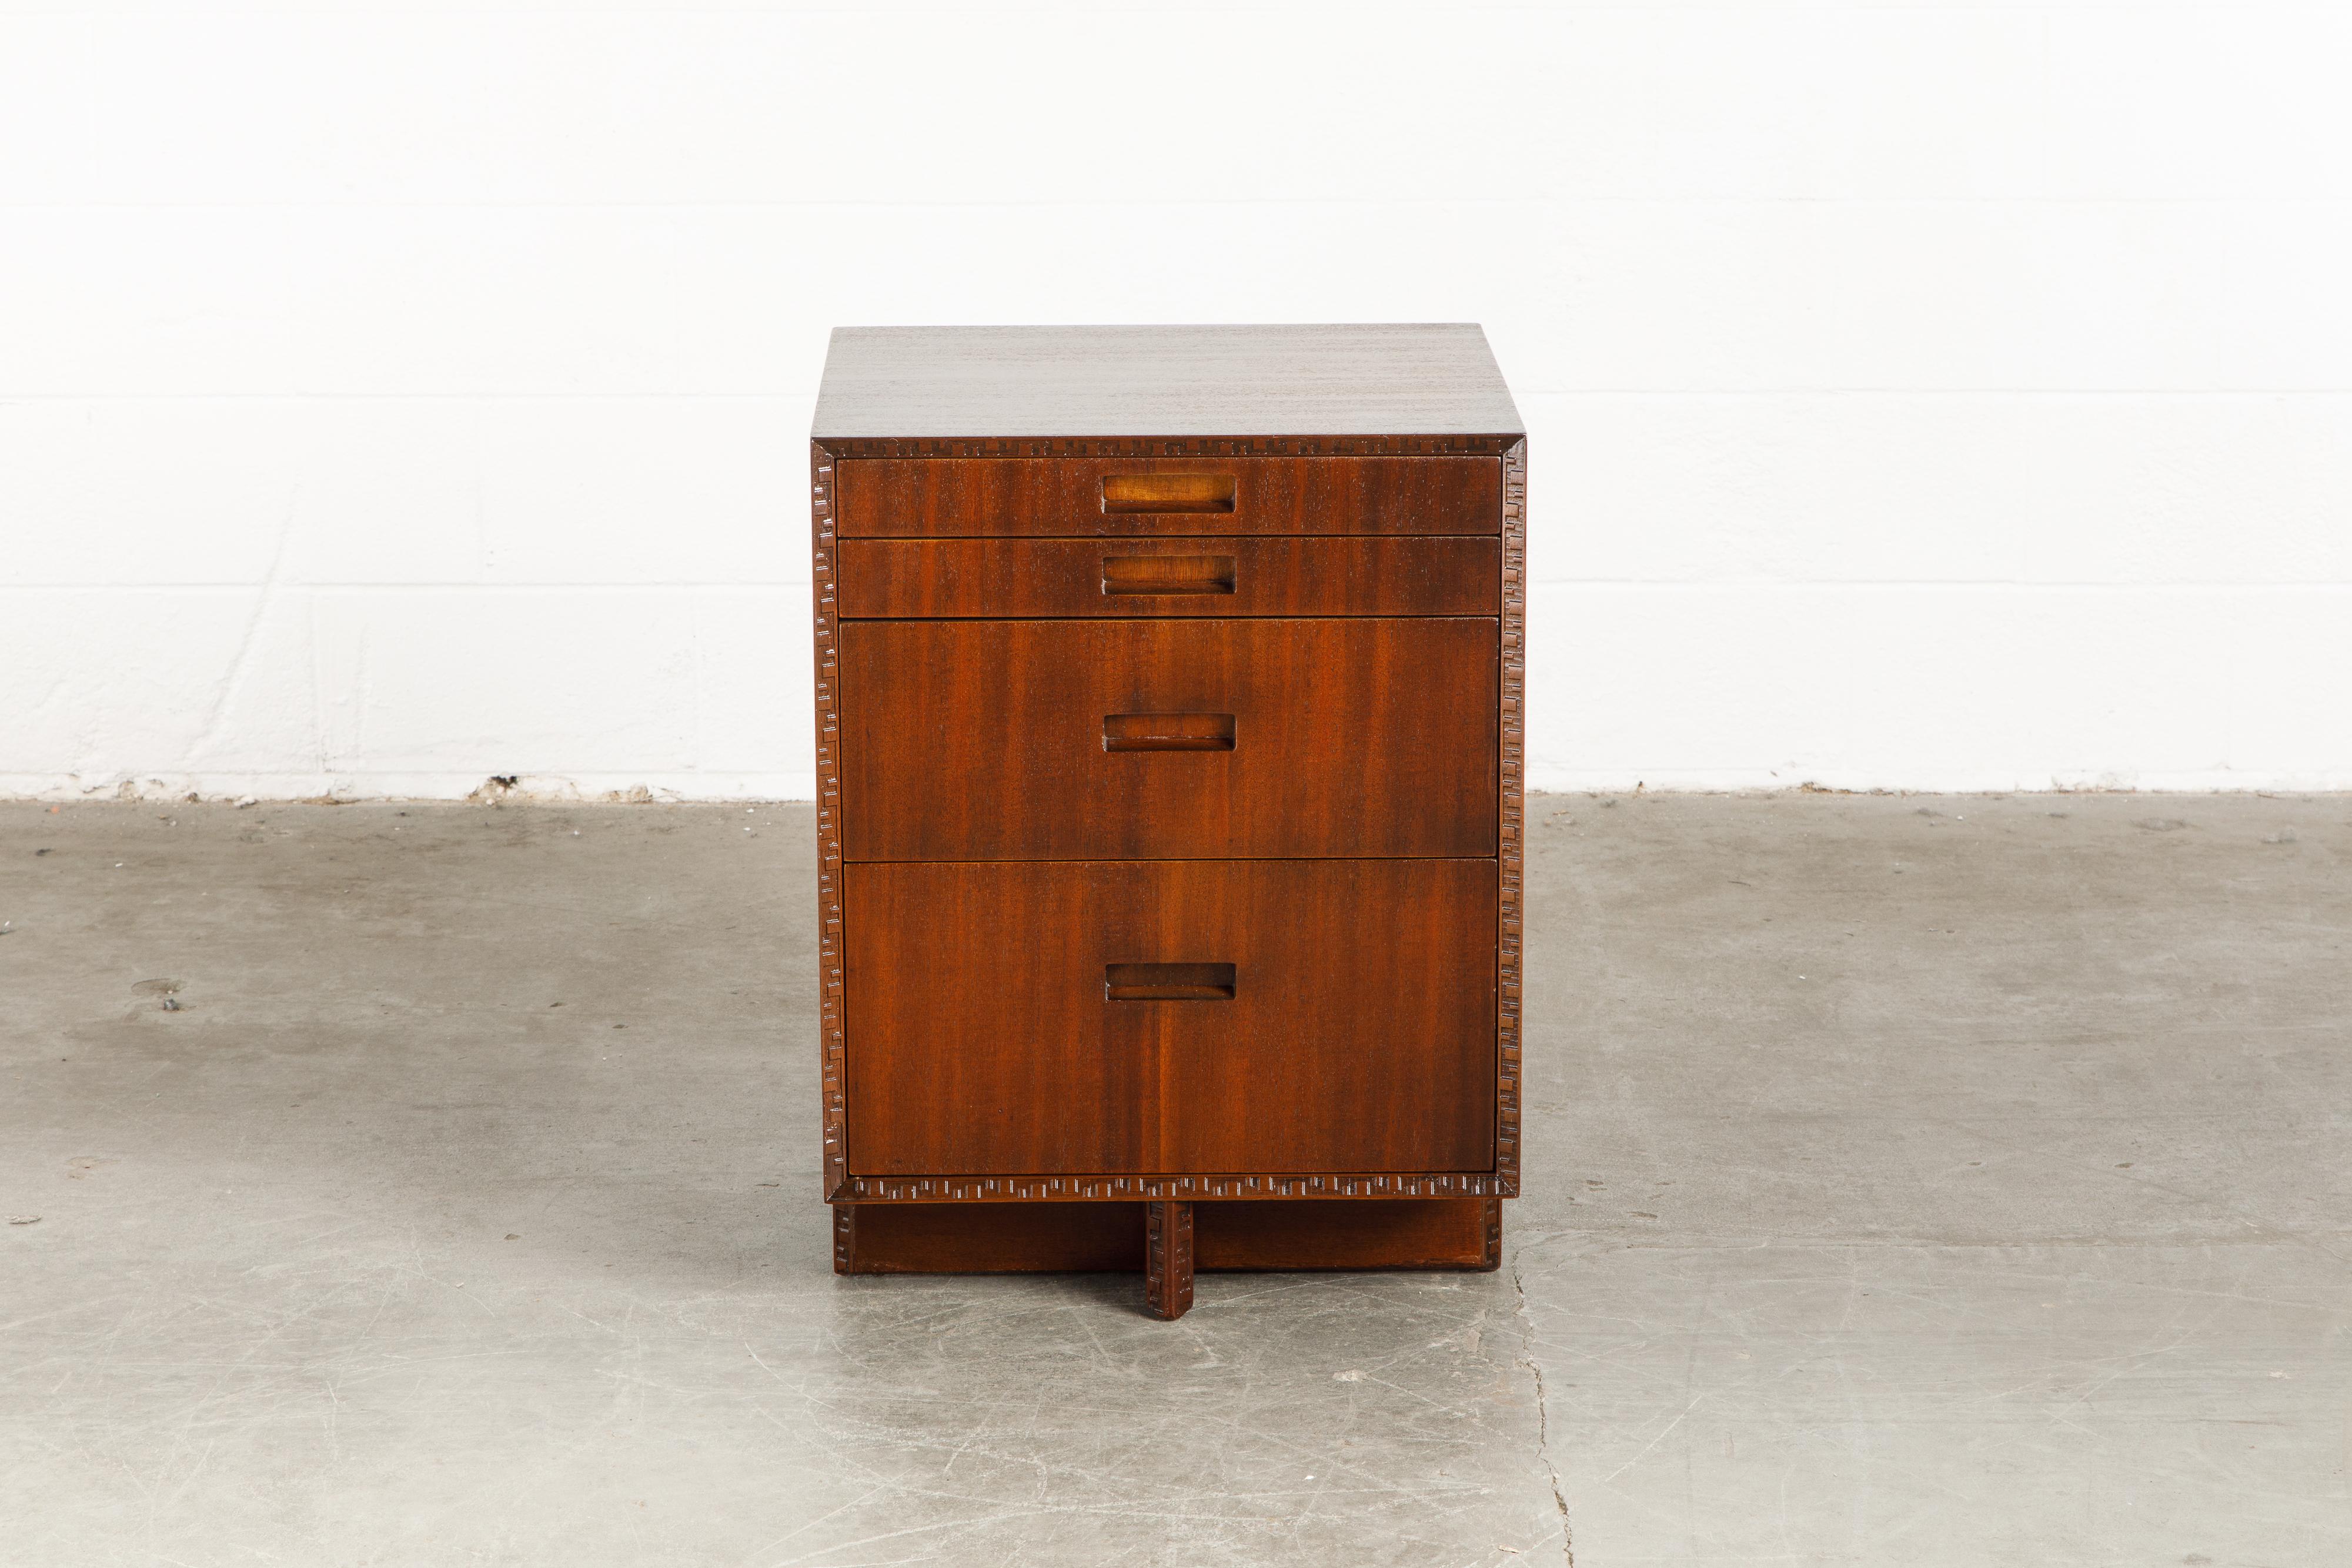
{"type": "Point", "coordinates": [922, 497]}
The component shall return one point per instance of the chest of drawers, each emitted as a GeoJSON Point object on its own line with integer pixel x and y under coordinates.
{"type": "Point", "coordinates": [1169, 696]}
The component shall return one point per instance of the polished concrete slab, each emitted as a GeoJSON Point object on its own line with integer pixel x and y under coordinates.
{"type": "Point", "coordinates": [1922, 1181]}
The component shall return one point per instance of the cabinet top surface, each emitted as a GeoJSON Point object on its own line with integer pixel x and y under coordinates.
{"type": "Point", "coordinates": [1435, 379]}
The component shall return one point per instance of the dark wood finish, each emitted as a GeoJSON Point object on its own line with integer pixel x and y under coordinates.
{"type": "Point", "coordinates": [1125, 579]}
{"type": "Point", "coordinates": [1277, 1234]}
{"type": "Point", "coordinates": [985, 739]}
{"type": "Point", "coordinates": [1167, 1259]}
{"type": "Point", "coordinates": [1051, 497]}
{"type": "Point", "coordinates": [1419, 380]}
{"type": "Point", "coordinates": [1208, 478]}
{"type": "Point", "coordinates": [1359, 1035]}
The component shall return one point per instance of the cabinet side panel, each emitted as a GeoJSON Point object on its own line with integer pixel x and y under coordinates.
{"type": "Point", "coordinates": [831, 1000]}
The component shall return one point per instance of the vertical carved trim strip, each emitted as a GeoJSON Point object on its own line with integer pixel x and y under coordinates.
{"type": "Point", "coordinates": [832, 1039]}
{"type": "Point", "coordinates": [845, 1238]}
{"type": "Point", "coordinates": [1155, 1260]}
{"type": "Point", "coordinates": [1513, 823]}
{"type": "Point", "coordinates": [1493, 1208]}
{"type": "Point", "coordinates": [1168, 1258]}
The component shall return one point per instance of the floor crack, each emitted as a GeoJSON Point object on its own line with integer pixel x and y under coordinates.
{"type": "Point", "coordinates": [1543, 1413]}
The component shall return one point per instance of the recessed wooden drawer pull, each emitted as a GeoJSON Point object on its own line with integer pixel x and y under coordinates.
{"type": "Point", "coordinates": [1167, 574]}
{"type": "Point", "coordinates": [1167, 982]}
{"type": "Point", "coordinates": [1168, 732]}
{"type": "Point", "coordinates": [1168, 493]}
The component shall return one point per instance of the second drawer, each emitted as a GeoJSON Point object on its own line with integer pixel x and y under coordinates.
{"type": "Point", "coordinates": [913, 578]}
{"type": "Point", "coordinates": [1175, 739]}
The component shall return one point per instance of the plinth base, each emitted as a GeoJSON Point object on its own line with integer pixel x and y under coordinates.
{"type": "Point", "coordinates": [1167, 1242]}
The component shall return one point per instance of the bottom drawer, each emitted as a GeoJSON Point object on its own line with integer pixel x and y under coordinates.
{"type": "Point", "coordinates": [1170, 1017]}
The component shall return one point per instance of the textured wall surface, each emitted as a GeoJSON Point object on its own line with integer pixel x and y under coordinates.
{"type": "Point", "coordinates": [1921, 396]}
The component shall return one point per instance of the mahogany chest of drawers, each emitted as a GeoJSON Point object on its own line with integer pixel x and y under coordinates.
{"type": "Point", "coordinates": [1168, 703]}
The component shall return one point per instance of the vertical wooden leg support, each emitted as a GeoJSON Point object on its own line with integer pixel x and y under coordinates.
{"type": "Point", "coordinates": [1168, 1258]}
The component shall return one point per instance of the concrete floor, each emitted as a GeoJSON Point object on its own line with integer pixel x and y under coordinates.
{"type": "Point", "coordinates": [1956, 1181]}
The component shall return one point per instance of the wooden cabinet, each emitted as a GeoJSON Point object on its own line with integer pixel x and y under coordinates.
{"type": "Point", "coordinates": [1169, 684]}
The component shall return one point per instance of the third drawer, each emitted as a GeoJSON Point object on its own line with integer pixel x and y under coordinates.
{"type": "Point", "coordinates": [1192, 738]}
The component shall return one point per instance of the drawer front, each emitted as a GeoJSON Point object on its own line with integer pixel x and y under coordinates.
{"type": "Point", "coordinates": [1209, 739]}
{"type": "Point", "coordinates": [950, 497]}
{"type": "Point", "coordinates": [1205, 576]}
{"type": "Point", "coordinates": [1175, 1018]}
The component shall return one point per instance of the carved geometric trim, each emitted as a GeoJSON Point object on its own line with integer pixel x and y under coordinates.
{"type": "Point", "coordinates": [845, 1238]}
{"type": "Point", "coordinates": [1172, 446]}
{"type": "Point", "coordinates": [1159, 1188]}
{"type": "Point", "coordinates": [1512, 840]}
{"type": "Point", "coordinates": [831, 1025]}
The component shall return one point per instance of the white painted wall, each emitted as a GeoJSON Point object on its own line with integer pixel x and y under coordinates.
{"type": "Point", "coordinates": [1922, 395]}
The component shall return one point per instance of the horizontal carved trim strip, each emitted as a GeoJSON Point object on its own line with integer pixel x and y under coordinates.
{"type": "Point", "coordinates": [1079, 1188]}
{"type": "Point", "coordinates": [1163, 446]}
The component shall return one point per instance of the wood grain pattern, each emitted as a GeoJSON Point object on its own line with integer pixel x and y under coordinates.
{"type": "Point", "coordinates": [1420, 379]}
{"type": "Point", "coordinates": [1059, 497]}
{"type": "Point", "coordinates": [984, 739]}
{"type": "Point", "coordinates": [1359, 1036]}
{"type": "Point", "coordinates": [919, 579]}
{"type": "Point", "coordinates": [1167, 1259]}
